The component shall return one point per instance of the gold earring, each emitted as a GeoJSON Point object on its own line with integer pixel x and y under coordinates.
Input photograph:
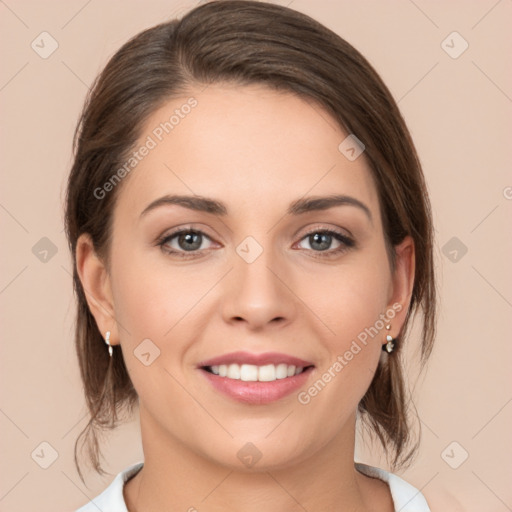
{"type": "Point", "coordinates": [390, 345]}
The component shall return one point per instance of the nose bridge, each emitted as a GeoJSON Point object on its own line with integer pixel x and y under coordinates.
{"type": "Point", "coordinates": [256, 292]}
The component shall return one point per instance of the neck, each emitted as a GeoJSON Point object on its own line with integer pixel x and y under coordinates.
{"type": "Point", "coordinates": [176, 478]}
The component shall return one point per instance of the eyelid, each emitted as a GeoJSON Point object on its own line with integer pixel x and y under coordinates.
{"type": "Point", "coordinates": [193, 226]}
{"type": "Point", "coordinates": [323, 227]}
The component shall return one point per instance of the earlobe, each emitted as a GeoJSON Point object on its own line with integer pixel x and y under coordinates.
{"type": "Point", "coordinates": [96, 285]}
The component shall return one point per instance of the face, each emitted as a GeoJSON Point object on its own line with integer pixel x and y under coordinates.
{"type": "Point", "coordinates": [249, 279]}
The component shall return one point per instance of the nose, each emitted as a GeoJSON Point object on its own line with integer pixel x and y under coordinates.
{"type": "Point", "coordinates": [259, 293]}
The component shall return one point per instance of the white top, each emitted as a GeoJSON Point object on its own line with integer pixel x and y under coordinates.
{"type": "Point", "coordinates": [406, 498]}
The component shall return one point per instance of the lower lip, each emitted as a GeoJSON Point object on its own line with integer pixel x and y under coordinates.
{"type": "Point", "coordinates": [258, 393]}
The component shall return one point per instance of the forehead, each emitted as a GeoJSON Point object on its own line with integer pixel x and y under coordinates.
{"type": "Point", "coordinates": [251, 146]}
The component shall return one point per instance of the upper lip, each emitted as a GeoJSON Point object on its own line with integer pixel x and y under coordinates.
{"type": "Point", "coordinates": [241, 357]}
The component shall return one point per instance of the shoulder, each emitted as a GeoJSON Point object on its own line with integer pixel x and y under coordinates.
{"type": "Point", "coordinates": [406, 497]}
{"type": "Point", "coordinates": [112, 499]}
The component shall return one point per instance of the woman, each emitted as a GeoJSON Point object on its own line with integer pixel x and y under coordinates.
{"type": "Point", "coordinates": [251, 234]}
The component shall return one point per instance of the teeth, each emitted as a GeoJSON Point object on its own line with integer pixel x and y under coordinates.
{"type": "Point", "coordinates": [248, 372]}
{"type": "Point", "coordinates": [282, 371]}
{"type": "Point", "coordinates": [253, 373]}
{"type": "Point", "coordinates": [233, 371]}
{"type": "Point", "coordinates": [267, 373]}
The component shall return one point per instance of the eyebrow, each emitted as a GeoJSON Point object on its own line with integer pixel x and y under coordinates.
{"type": "Point", "coordinates": [298, 207]}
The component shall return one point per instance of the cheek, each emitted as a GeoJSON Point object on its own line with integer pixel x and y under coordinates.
{"type": "Point", "coordinates": [160, 302]}
{"type": "Point", "coordinates": [353, 349]}
{"type": "Point", "coordinates": [152, 296]}
{"type": "Point", "coordinates": [151, 305]}
{"type": "Point", "coordinates": [350, 297]}
{"type": "Point", "coordinates": [354, 298]}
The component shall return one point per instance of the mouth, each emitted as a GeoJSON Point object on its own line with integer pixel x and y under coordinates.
{"type": "Point", "coordinates": [256, 378]}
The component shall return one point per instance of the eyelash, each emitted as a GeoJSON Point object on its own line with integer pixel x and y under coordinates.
{"type": "Point", "coordinates": [346, 243]}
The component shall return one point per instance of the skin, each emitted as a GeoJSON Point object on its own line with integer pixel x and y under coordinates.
{"type": "Point", "coordinates": [256, 150]}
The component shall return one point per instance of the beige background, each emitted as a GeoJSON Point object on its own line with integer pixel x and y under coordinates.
{"type": "Point", "coordinates": [459, 112]}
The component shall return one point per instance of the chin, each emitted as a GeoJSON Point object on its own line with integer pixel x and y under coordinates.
{"type": "Point", "coordinates": [259, 454]}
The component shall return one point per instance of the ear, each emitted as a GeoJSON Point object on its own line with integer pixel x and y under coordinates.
{"type": "Point", "coordinates": [97, 288]}
{"type": "Point", "coordinates": [402, 283]}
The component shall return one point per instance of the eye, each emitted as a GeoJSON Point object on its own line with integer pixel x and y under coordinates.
{"type": "Point", "coordinates": [188, 242]}
{"type": "Point", "coordinates": [320, 240]}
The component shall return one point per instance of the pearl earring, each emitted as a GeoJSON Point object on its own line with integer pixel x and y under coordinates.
{"type": "Point", "coordinates": [107, 341]}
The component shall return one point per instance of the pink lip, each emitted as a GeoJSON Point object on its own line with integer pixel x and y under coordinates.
{"type": "Point", "coordinates": [257, 393]}
{"type": "Point", "coordinates": [256, 359]}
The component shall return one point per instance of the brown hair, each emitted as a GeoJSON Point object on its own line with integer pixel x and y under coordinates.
{"type": "Point", "coordinates": [246, 42]}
